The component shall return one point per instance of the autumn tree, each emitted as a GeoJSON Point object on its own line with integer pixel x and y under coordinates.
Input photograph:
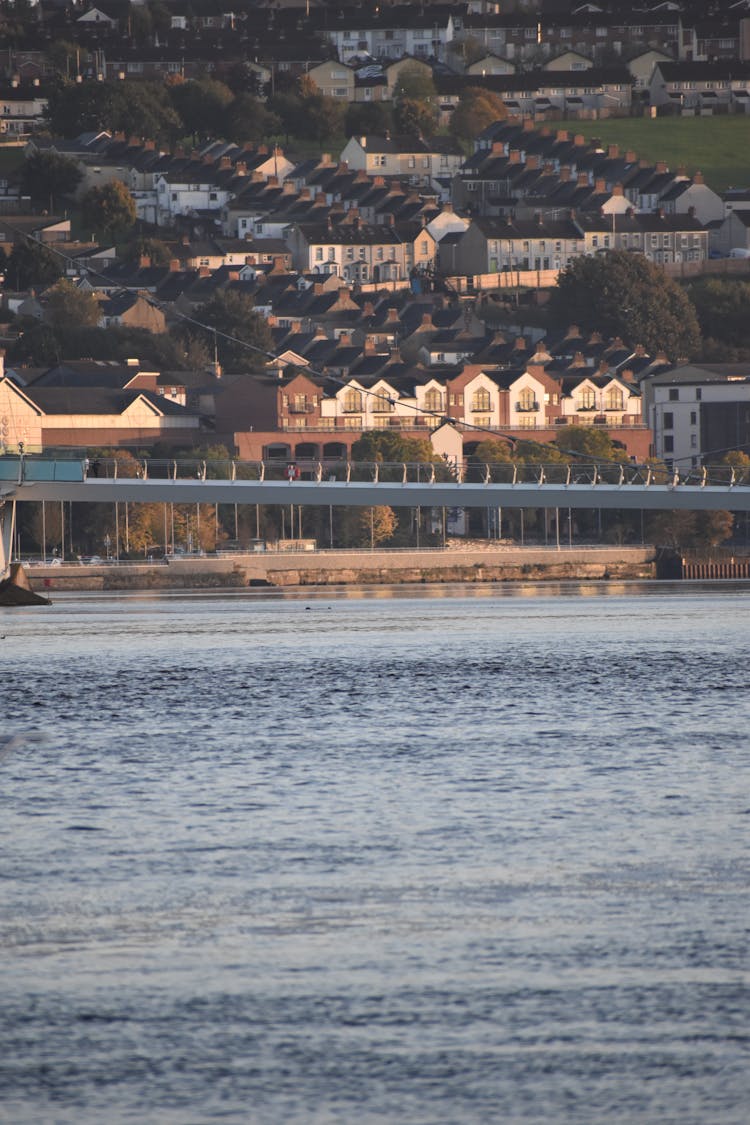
{"type": "Point", "coordinates": [367, 527]}
{"type": "Point", "coordinates": [109, 209]}
{"type": "Point", "coordinates": [622, 294]}
{"type": "Point", "coordinates": [414, 81]}
{"type": "Point", "coordinates": [414, 118]}
{"type": "Point", "coordinates": [477, 108]}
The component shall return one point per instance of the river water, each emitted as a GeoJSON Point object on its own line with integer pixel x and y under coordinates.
{"type": "Point", "coordinates": [440, 856]}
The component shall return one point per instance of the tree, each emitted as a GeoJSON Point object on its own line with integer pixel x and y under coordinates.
{"type": "Point", "coordinates": [140, 108]}
{"type": "Point", "coordinates": [202, 105]}
{"type": "Point", "coordinates": [492, 450]}
{"type": "Point", "coordinates": [242, 337]}
{"type": "Point", "coordinates": [367, 527]}
{"type": "Point", "coordinates": [589, 443]}
{"type": "Point", "coordinates": [32, 264]}
{"type": "Point", "coordinates": [622, 294]}
{"type": "Point", "coordinates": [109, 209]}
{"type": "Point", "coordinates": [75, 108]}
{"type": "Point", "coordinates": [689, 529]}
{"type": "Point", "coordinates": [367, 117]}
{"type": "Point", "coordinates": [477, 108]}
{"type": "Point", "coordinates": [391, 447]}
{"type": "Point", "coordinates": [152, 248]}
{"type": "Point", "coordinates": [415, 118]}
{"type": "Point", "coordinates": [722, 306]}
{"type": "Point", "coordinates": [46, 176]}
{"type": "Point", "coordinates": [249, 119]}
{"type": "Point", "coordinates": [68, 307]}
{"type": "Point", "coordinates": [414, 81]}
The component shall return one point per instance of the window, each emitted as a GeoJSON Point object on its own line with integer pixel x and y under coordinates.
{"type": "Point", "coordinates": [433, 400]}
{"type": "Point", "coordinates": [674, 394]}
{"type": "Point", "coordinates": [527, 399]}
{"type": "Point", "coordinates": [331, 253]}
{"type": "Point", "coordinates": [352, 402]}
{"type": "Point", "coordinates": [698, 394]}
{"type": "Point", "coordinates": [693, 441]}
{"type": "Point", "coordinates": [412, 161]}
{"type": "Point", "coordinates": [693, 417]}
{"type": "Point", "coordinates": [424, 247]}
{"type": "Point", "coordinates": [613, 399]}
{"type": "Point", "coordinates": [480, 400]}
{"type": "Point", "coordinates": [669, 444]}
{"type": "Point", "coordinates": [318, 253]}
{"type": "Point", "coordinates": [668, 420]}
{"type": "Point", "coordinates": [587, 399]}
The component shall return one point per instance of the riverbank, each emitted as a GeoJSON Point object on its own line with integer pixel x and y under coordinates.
{"type": "Point", "coordinates": [342, 568]}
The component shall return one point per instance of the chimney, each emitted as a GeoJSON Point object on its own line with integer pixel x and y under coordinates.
{"type": "Point", "coordinates": [532, 163]}
{"type": "Point", "coordinates": [613, 152]}
{"type": "Point", "coordinates": [272, 181]}
{"type": "Point", "coordinates": [519, 344]}
{"type": "Point", "coordinates": [618, 190]}
{"type": "Point", "coordinates": [174, 265]}
{"type": "Point", "coordinates": [564, 174]}
{"type": "Point", "coordinates": [498, 148]}
{"type": "Point", "coordinates": [144, 262]}
{"type": "Point", "coordinates": [562, 135]}
{"type": "Point", "coordinates": [149, 146]}
{"type": "Point", "coordinates": [368, 309]}
{"type": "Point", "coordinates": [627, 375]}
{"type": "Point", "coordinates": [514, 156]}
{"type": "Point", "coordinates": [361, 177]}
{"type": "Point", "coordinates": [368, 348]}
{"type": "Point", "coordinates": [579, 140]}
{"type": "Point", "coordinates": [698, 178]}
{"type": "Point", "coordinates": [426, 324]}
{"type": "Point", "coordinates": [224, 163]}
{"type": "Point", "coordinates": [582, 179]}
{"type": "Point", "coordinates": [204, 271]}
{"type": "Point", "coordinates": [600, 186]}
{"type": "Point", "coordinates": [118, 136]}
{"type": "Point", "coordinates": [528, 124]}
{"type": "Point", "coordinates": [578, 360]}
{"type": "Point", "coordinates": [240, 168]}
{"type": "Point", "coordinates": [278, 266]}
{"type": "Point", "coordinates": [395, 354]}
{"type": "Point", "coordinates": [661, 167]}
{"type": "Point", "coordinates": [345, 340]}
{"type": "Point", "coordinates": [393, 317]}
{"type": "Point", "coordinates": [630, 156]}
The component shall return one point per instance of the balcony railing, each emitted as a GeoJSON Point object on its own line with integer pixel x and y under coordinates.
{"type": "Point", "coordinates": [301, 408]}
{"type": "Point", "coordinates": [526, 407]}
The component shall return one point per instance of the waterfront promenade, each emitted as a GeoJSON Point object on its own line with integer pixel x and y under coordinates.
{"type": "Point", "coordinates": [491, 563]}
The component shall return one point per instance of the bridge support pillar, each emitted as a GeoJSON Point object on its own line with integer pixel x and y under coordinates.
{"type": "Point", "coordinates": [7, 532]}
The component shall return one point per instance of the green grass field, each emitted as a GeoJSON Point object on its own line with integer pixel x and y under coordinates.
{"type": "Point", "coordinates": [719, 147]}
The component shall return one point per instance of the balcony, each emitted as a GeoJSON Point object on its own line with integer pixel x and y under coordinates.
{"type": "Point", "coordinates": [301, 408]}
{"type": "Point", "coordinates": [482, 406]}
{"type": "Point", "coordinates": [349, 408]}
{"type": "Point", "coordinates": [526, 407]}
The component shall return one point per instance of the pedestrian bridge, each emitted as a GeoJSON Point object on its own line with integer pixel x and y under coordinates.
{"type": "Point", "coordinates": [606, 485]}
{"type": "Point", "coordinates": [468, 485]}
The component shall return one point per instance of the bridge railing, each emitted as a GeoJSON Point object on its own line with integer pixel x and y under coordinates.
{"type": "Point", "coordinates": [583, 473]}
